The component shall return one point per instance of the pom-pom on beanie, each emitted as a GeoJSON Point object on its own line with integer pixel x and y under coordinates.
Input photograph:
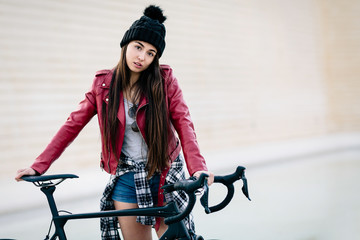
{"type": "Point", "coordinates": [149, 28]}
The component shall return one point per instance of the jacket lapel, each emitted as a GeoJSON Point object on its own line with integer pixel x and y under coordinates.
{"type": "Point", "coordinates": [143, 101]}
{"type": "Point", "coordinates": [121, 111]}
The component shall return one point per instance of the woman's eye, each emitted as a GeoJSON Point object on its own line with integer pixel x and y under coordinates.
{"type": "Point", "coordinates": [137, 47]}
{"type": "Point", "coordinates": [151, 54]}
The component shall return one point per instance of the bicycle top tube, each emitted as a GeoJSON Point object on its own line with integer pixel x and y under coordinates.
{"type": "Point", "coordinates": [188, 186]}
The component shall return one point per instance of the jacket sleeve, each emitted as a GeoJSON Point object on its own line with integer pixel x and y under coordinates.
{"type": "Point", "coordinates": [180, 118]}
{"type": "Point", "coordinates": [67, 133]}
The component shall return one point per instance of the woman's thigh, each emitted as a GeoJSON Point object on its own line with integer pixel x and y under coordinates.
{"type": "Point", "coordinates": [130, 229]}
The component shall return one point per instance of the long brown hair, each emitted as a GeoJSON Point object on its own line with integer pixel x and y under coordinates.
{"type": "Point", "coordinates": [150, 85]}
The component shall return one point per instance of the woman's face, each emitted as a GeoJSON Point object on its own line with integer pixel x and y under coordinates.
{"type": "Point", "coordinates": [139, 55]}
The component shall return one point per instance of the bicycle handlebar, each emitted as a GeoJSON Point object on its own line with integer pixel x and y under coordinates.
{"type": "Point", "coordinates": [192, 184]}
{"type": "Point", "coordinates": [228, 181]}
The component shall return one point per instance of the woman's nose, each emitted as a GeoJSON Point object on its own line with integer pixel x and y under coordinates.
{"type": "Point", "coordinates": [141, 56]}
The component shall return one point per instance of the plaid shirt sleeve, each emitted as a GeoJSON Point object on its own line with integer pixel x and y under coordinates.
{"type": "Point", "coordinates": [109, 225]}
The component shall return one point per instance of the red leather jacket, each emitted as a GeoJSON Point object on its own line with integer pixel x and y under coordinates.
{"type": "Point", "coordinates": [92, 105]}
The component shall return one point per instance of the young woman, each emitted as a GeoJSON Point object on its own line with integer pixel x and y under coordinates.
{"type": "Point", "coordinates": [140, 110]}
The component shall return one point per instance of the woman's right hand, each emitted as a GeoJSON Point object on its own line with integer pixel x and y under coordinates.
{"type": "Point", "coordinates": [23, 172]}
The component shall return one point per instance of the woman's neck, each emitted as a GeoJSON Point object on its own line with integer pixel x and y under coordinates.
{"type": "Point", "coordinates": [129, 91]}
{"type": "Point", "coordinates": [134, 77]}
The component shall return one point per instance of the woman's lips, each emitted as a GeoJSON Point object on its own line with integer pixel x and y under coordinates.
{"type": "Point", "coordinates": [137, 65]}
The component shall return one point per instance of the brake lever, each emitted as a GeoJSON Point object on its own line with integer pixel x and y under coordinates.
{"type": "Point", "coordinates": [245, 188]}
{"type": "Point", "coordinates": [204, 200]}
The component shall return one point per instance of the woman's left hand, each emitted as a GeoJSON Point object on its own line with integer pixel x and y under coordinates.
{"type": "Point", "coordinates": [210, 174]}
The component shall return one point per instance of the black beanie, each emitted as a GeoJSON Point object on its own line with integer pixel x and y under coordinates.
{"type": "Point", "coordinates": [149, 28]}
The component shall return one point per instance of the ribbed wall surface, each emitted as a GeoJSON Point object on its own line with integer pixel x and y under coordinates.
{"type": "Point", "coordinates": [251, 71]}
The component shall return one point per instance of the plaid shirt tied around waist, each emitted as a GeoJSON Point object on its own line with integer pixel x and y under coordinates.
{"type": "Point", "coordinates": [109, 225]}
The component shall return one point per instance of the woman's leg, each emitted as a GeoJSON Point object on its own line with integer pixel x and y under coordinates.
{"type": "Point", "coordinates": [130, 229]}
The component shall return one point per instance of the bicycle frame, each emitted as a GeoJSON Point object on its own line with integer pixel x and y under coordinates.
{"type": "Point", "coordinates": [175, 230]}
{"type": "Point", "coordinates": [170, 212]}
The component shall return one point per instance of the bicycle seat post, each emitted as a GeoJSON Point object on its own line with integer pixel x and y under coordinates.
{"type": "Point", "coordinates": [48, 191]}
{"type": "Point", "coordinates": [58, 222]}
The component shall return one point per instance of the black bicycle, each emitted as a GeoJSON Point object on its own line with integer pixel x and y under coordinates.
{"type": "Point", "coordinates": [170, 212]}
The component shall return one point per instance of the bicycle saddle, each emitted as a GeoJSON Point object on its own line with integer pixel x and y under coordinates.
{"type": "Point", "coordinates": [45, 180]}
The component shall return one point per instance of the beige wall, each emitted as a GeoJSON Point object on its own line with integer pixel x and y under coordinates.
{"type": "Point", "coordinates": [342, 72]}
{"type": "Point", "coordinates": [252, 72]}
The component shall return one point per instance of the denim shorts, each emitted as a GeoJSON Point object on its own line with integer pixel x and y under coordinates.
{"type": "Point", "coordinates": [125, 191]}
